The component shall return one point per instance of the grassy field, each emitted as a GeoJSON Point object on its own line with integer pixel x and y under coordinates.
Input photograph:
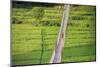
{"type": "Point", "coordinates": [28, 39]}
{"type": "Point", "coordinates": [27, 44]}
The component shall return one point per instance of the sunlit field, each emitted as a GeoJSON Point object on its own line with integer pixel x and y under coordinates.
{"type": "Point", "coordinates": [34, 39]}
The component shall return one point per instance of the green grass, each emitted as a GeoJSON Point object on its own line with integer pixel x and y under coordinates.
{"type": "Point", "coordinates": [26, 45]}
{"type": "Point", "coordinates": [27, 39]}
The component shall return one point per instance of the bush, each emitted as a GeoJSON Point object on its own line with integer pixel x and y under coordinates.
{"type": "Point", "coordinates": [16, 21]}
{"type": "Point", "coordinates": [49, 23]}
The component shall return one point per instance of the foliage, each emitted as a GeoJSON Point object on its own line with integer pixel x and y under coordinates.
{"type": "Point", "coordinates": [38, 13]}
{"type": "Point", "coordinates": [16, 21]}
{"type": "Point", "coordinates": [80, 36]}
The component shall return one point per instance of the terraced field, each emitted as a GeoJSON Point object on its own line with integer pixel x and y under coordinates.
{"type": "Point", "coordinates": [27, 43]}
{"type": "Point", "coordinates": [35, 44]}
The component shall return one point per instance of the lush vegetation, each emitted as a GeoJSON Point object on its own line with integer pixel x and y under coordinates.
{"type": "Point", "coordinates": [36, 26]}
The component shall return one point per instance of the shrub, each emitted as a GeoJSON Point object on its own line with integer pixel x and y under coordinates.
{"type": "Point", "coordinates": [16, 21]}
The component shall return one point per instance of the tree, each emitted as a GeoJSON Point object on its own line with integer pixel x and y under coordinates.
{"type": "Point", "coordinates": [38, 13]}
